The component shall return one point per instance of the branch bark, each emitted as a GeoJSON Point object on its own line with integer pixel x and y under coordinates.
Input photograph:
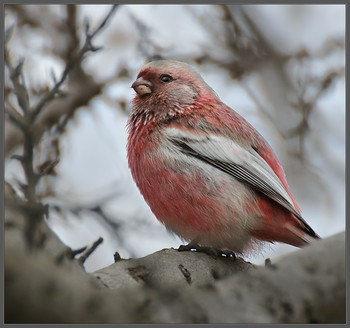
{"type": "Point", "coordinates": [307, 286]}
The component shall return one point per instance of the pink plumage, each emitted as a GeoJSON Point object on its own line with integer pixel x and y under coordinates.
{"type": "Point", "coordinates": [205, 172]}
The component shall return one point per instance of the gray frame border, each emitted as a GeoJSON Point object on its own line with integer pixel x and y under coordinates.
{"type": "Point", "coordinates": [178, 2]}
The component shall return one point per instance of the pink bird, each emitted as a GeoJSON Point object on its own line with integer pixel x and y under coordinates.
{"type": "Point", "coordinates": [205, 172]}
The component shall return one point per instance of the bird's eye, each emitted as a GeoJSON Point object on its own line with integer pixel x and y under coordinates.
{"type": "Point", "coordinates": [166, 78]}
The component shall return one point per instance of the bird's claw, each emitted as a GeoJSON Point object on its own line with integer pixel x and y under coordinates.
{"type": "Point", "coordinates": [211, 251]}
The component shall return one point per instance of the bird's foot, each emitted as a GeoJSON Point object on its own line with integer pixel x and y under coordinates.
{"type": "Point", "coordinates": [187, 248]}
{"type": "Point", "coordinates": [227, 253]}
{"type": "Point", "coordinates": [211, 251]}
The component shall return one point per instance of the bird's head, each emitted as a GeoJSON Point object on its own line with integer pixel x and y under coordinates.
{"type": "Point", "coordinates": [166, 86]}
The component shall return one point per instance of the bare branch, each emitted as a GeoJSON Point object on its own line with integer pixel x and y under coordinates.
{"type": "Point", "coordinates": [16, 76]}
{"type": "Point", "coordinates": [71, 63]}
{"type": "Point", "coordinates": [103, 23]}
{"type": "Point", "coordinates": [47, 167]}
{"type": "Point", "coordinates": [17, 157]}
{"type": "Point", "coordinates": [15, 119]}
{"type": "Point", "coordinates": [90, 250]}
{"type": "Point", "coordinates": [34, 210]}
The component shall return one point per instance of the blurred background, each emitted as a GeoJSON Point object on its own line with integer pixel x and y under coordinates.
{"type": "Point", "coordinates": [281, 67]}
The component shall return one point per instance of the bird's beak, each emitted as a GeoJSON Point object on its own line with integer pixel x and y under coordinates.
{"type": "Point", "coordinates": [142, 86]}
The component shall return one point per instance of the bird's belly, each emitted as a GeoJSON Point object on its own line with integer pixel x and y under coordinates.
{"type": "Point", "coordinates": [198, 200]}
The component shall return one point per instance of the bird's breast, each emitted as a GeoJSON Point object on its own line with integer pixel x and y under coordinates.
{"type": "Point", "coordinates": [183, 191]}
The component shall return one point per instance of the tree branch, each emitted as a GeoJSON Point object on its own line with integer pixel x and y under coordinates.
{"type": "Point", "coordinates": [72, 62]}
{"type": "Point", "coordinates": [79, 95]}
{"type": "Point", "coordinates": [26, 124]}
{"type": "Point", "coordinates": [307, 286]}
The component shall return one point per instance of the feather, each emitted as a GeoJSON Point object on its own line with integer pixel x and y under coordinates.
{"type": "Point", "coordinates": [244, 165]}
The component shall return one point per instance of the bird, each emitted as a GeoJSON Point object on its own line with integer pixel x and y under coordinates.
{"type": "Point", "coordinates": [206, 173]}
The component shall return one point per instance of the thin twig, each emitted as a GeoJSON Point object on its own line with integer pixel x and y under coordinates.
{"type": "Point", "coordinates": [90, 250]}
{"type": "Point", "coordinates": [34, 210]}
{"type": "Point", "coordinates": [116, 226]}
{"type": "Point", "coordinates": [16, 76]}
{"type": "Point", "coordinates": [15, 119]}
{"type": "Point", "coordinates": [47, 167]}
{"type": "Point", "coordinates": [72, 253]}
{"type": "Point", "coordinates": [104, 22]}
{"type": "Point", "coordinates": [71, 63]}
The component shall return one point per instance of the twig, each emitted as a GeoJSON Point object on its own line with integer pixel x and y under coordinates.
{"type": "Point", "coordinates": [26, 119]}
{"type": "Point", "coordinates": [306, 106]}
{"type": "Point", "coordinates": [117, 257]}
{"type": "Point", "coordinates": [90, 250]}
{"type": "Point", "coordinates": [104, 22]}
{"type": "Point", "coordinates": [70, 64]}
{"type": "Point", "coordinates": [47, 167]}
{"type": "Point", "coordinates": [16, 76]}
{"type": "Point", "coordinates": [15, 119]}
{"type": "Point", "coordinates": [116, 226]}
{"type": "Point", "coordinates": [69, 253]}
{"type": "Point", "coordinates": [72, 253]}
{"type": "Point", "coordinates": [20, 89]}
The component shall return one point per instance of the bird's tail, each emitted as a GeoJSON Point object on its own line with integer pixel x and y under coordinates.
{"type": "Point", "coordinates": [292, 231]}
{"type": "Point", "coordinates": [304, 237]}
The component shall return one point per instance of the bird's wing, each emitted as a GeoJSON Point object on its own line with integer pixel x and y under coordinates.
{"type": "Point", "coordinates": [245, 165]}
